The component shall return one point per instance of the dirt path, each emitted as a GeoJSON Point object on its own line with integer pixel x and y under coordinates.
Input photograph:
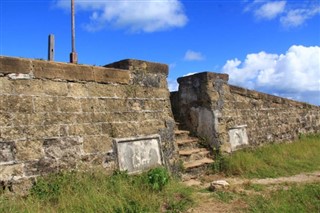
{"type": "Point", "coordinates": [206, 203]}
{"type": "Point", "coordinates": [300, 178]}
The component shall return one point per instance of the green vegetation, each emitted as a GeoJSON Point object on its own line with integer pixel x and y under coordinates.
{"type": "Point", "coordinates": [298, 198]}
{"type": "Point", "coordinates": [287, 198]}
{"type": "Point", "coordinates": [273, 160]}
{"type": "Point", "coordinates": [156, 191]}
{"type": "Point", "coordinates": [96, 192]}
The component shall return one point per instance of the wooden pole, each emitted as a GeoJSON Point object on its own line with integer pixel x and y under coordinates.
{"type": "Point", "coordinates": [51, 48]}
{"type": "Point", "coordinates": [73, 54]}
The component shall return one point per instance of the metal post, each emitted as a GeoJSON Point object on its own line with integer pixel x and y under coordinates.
{"type": "Point", "coordinates": [51, 48]}
{"type": "Point", "coordinates": [73, 54]}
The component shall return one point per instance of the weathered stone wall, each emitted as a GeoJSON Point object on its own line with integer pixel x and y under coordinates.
{"type": "Point", "coordinates": [230, 117]}
{"type": "Point", "coordinates": [56, 116]}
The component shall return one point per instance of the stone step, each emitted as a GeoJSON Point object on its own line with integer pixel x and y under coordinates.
{"type": "Point", "coordinates": [193, 151]}
{"type": "Point", "coordinates": [187, 141]}
{"type": "Point", "coordinates": [197, 163]}
{"type": "Point", "coordinates": [180, 132]}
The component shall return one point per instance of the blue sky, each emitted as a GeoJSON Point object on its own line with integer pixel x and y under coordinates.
{"type": "Point", "coordinates": [269, 46]}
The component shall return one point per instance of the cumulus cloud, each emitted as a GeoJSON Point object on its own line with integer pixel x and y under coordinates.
{"type": "Point", "coordinates": [136, 16]}
{"type": "Point", "coordinates": [290, 14]}
{"type": "Point", "coordinates": [295, 74]}
{"type": "Point", "coordinates": [191, 55]}
{"type": "Point", "coordinates": [297, 17]}
{"type": "Point", "coordinates": [270, 10]}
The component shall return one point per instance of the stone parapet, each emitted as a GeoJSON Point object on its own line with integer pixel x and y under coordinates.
{"type": "Point", "coordinates": [40, 69]}
{"type": "Point", "coordinates": [139, 65]}
{"type": "Point", "coordinates": [231, 117]}
{"type": "Point", "coordinates": [57, 116]}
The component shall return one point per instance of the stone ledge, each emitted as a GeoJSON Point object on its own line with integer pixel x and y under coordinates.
{"type": "Point", "coordinates": [269, 98]}
{"type": "Point", "coordinates": [62, 71]}
{"type": "Point", "coordinates": [204, 77]}
{"type": "Point", "coordinates": [139, 65]}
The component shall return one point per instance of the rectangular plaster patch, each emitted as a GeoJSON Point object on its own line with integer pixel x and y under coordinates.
{"type": "Point", "coordinates": [139, 153]}
{"type": "Point", "coordinates": [238, 137]}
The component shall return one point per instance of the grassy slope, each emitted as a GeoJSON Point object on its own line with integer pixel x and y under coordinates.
{"type": "Point", "coordinates": [298, 198]}
{"type": "Point", "coordinates": [96, 192]}
{"type": "Point", "coordinates": [275, 160]}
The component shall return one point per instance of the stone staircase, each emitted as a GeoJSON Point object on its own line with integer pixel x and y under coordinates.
{"type": "Point", "coordinates": [195, 157]}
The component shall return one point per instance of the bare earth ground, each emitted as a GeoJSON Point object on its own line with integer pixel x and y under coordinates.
{"type": "Point", "coordinates": [206, 203]}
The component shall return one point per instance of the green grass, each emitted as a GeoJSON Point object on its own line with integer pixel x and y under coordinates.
{"type": "Point", "coordinates": [274, 160]}
{"type": "Point", "coordinates": [97, 192]}
{"type": "Point", "coordinates": [299, 198]}
{"type": "Point", "coordinates": [291, 198]}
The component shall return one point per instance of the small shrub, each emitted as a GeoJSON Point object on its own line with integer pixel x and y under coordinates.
{"type": "Point", "coordinates": [158, 178]}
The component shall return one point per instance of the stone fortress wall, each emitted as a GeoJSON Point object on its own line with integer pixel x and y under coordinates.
{"type": "Point", "coordinates": [231, 117]}
{"type": "Point", "coordinates": [56, 116]}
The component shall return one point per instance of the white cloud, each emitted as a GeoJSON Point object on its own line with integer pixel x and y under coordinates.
{"type": "Point", "coordinates": [188, 74]}
{"type": "Point", "coordinates": [289, 13]}
{"type": "Point", "coordinates": [294, 74]}
{"type": "Point", "coordinates": [193, 56]}
{"type": "Point", "coordinates": [137, 16]}
{"type": "Point", "coordinates": [173, 85]}
{"type": "Point", "coordinates": [270, 10]}
{"type": "Point", "coordinates": [297, 17]}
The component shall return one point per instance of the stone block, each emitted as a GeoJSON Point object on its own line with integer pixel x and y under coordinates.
{"type": "Point", "coordinates": [6, 119]}
{"type": "Point", "coordinates": [45, 104]}
{"type": "Point", "coordinates": [114, 105]}
{"type": "Point", "coordinates": [7, 152]}
{"type": "Point", "coordinates": [99, 117]}
{"type": "Point", "coordinates": [202, 78]}
{"type": "Point", "coordinates": [75, 72]}
{"type": "Point", "coordinates": [97, 144]}
{"type": "Point", "coordinates": [12, 133]}
{"type": "Point", "coordinates": [91, 105]}
{"type": "Point", "coordinates": [6, 86]}
{"type": "Point", "coordinates": [28, 87]}
{"type": "Point", "coordinates": [39, 132]}
{"type": "Point", "coordinates": [22, 186]}
{"type": "Point", "coordinates": [106, 90]}
{"type": "Point", "coordinates": [83, 118]}
{"type": "Point", "coordinates": [48, 70]}
{"type": "Point", "coordinates": [55, 88]}
{"type": "Point", "coordinates": [15, 65]}
{"type": "Point", "coordinates": [128, 129]}
{"type": "Point", "coordinates": [41, 167]}
{"type": "Point", "coordinates": [9, 172]}
{"type": "Point", "coordinates": [50, 131]}
{"type": "Point", "coordinates": [29, 150]}
{"type": "Point", "coordinates": [142, 66]}
{"type": "Point", "coordinates": [59, 148]}
{"type": "Point", "coordinates": [69, 105]}
{"type": "Point", "coordinates": [21, 104]}
{"type": "Point", "coordinates": [85, 129]}
{"type": "Point", "coordinates": [77, 90]}
{"type": "Point", "coordinates": [104, 75]}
